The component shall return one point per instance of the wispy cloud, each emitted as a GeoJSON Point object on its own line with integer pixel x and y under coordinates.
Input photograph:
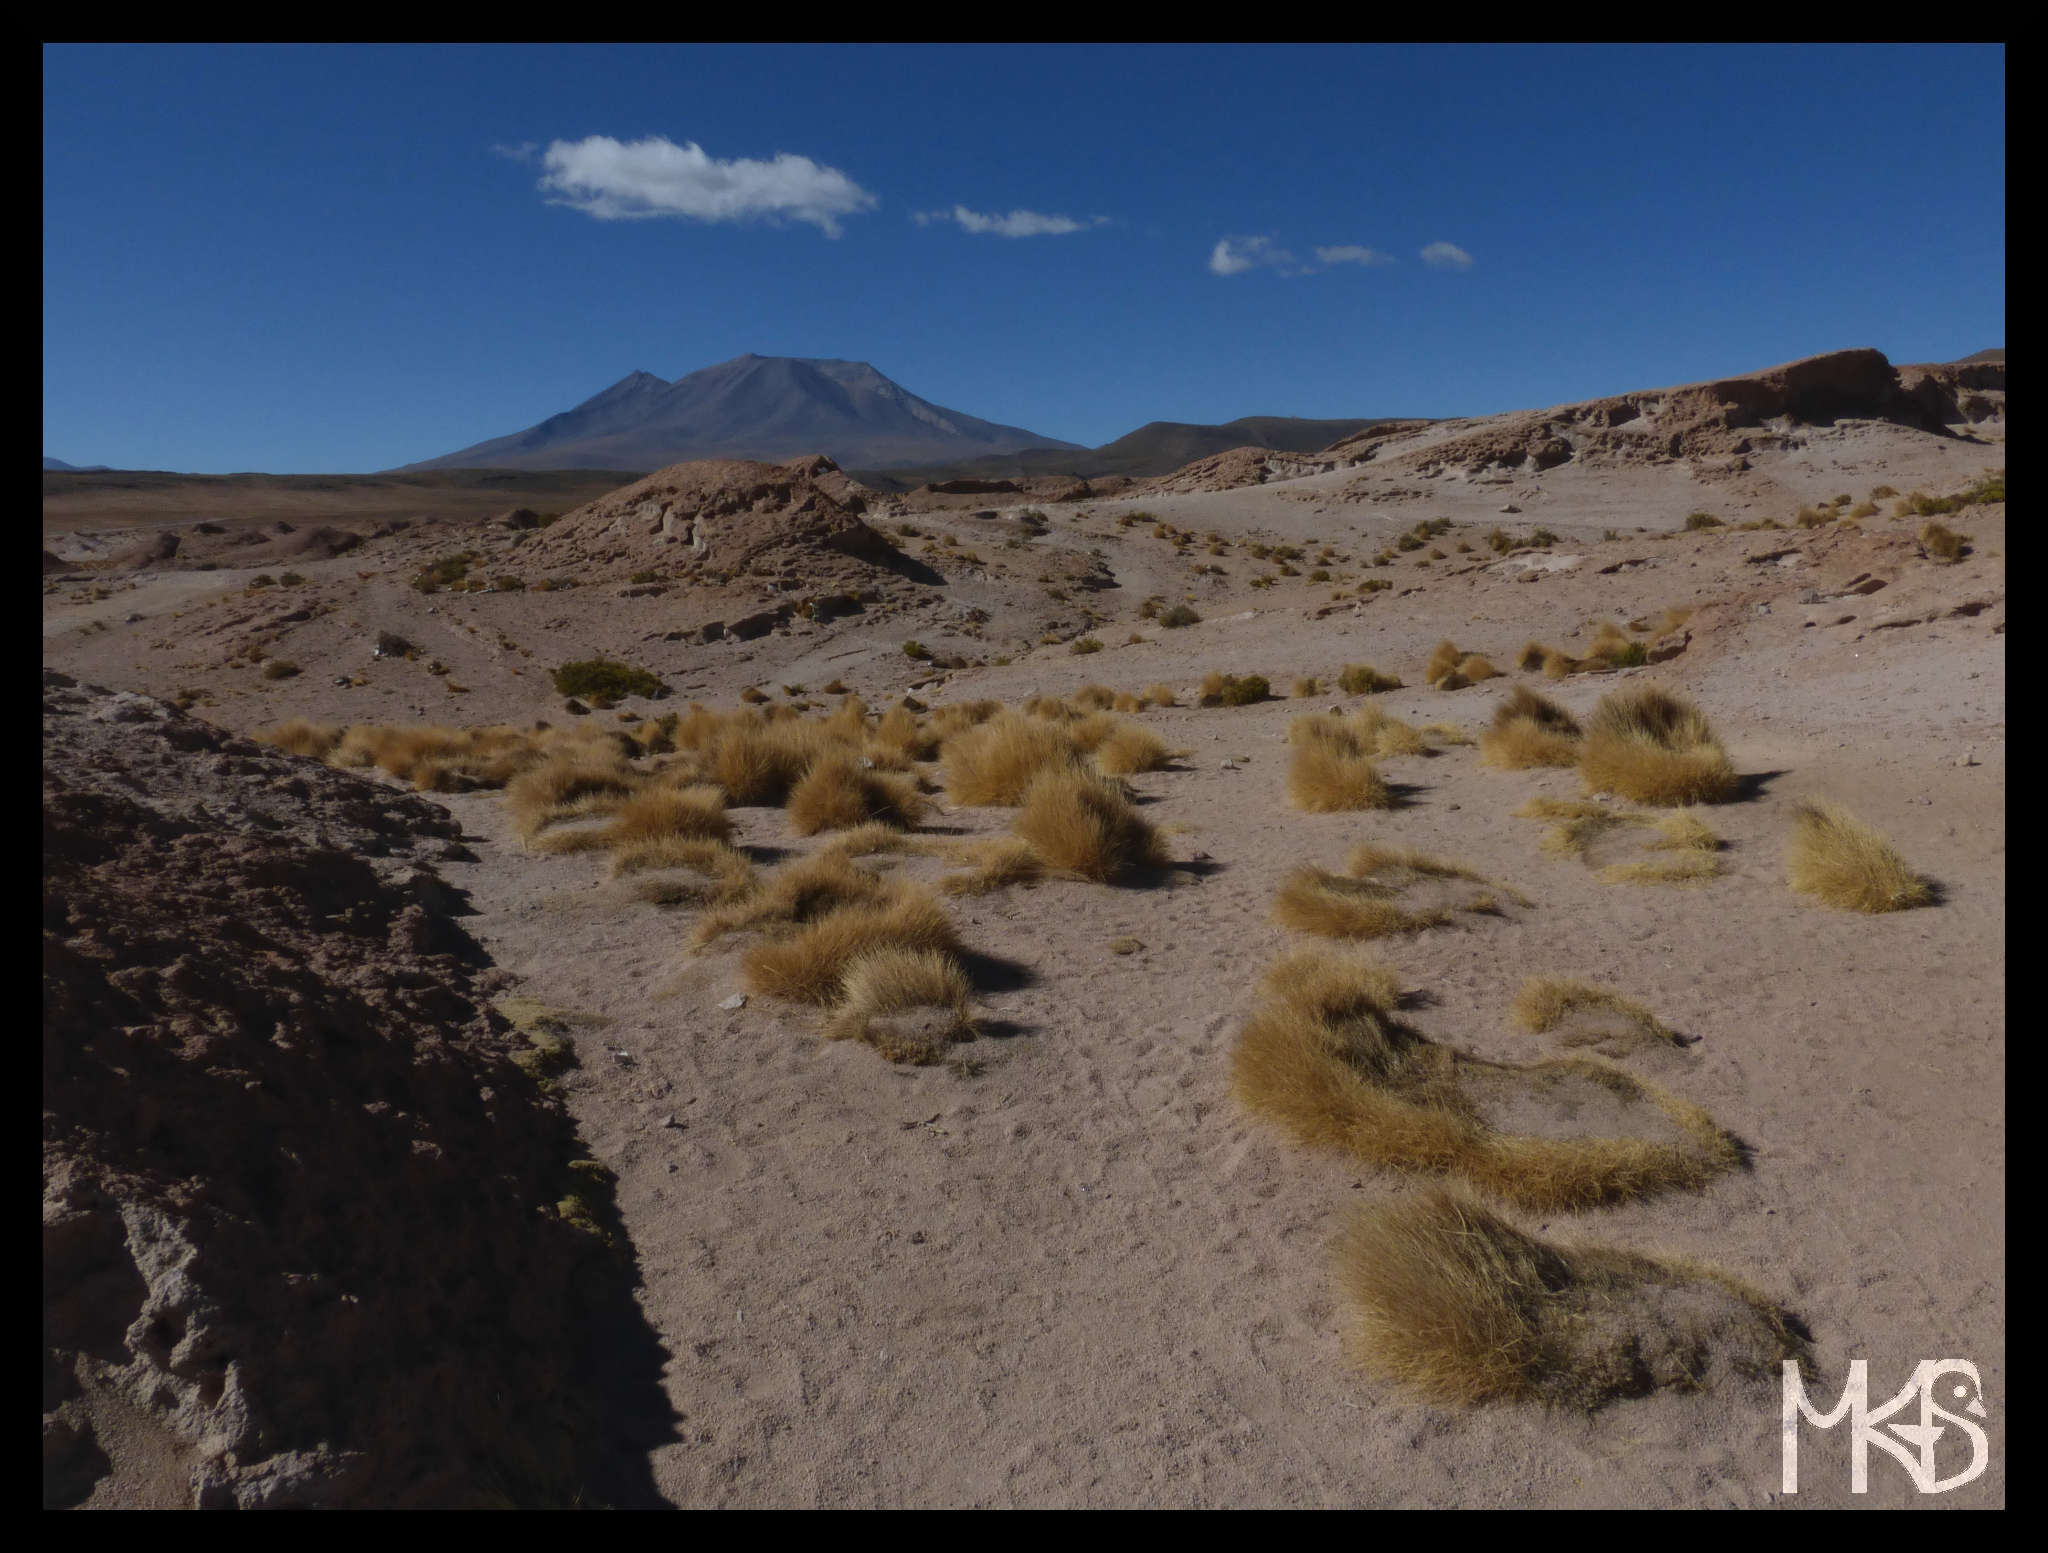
{"type": "Point", "coordinates": [1351, 253]}
{"type": "Point", "coordinates": [1446, 256]}
{"type": "Point", "coordinates": [522, 152]}
{"type": "Point", "coordinates": [644, 179]}
{"type": "Point", "coordinates": [1018, 223]}
{"type": "Point", "coordinates": [1235, 255]}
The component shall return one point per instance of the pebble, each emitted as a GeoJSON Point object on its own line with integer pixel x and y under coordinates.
{"type": "Point", "coordinates": [737, 1000]}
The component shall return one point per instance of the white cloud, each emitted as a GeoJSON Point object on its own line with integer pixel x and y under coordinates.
{"type": "Point", "coordinates": [1235, 255]}
{"type": "Point", "coordinates": [523, 152]}
{"type": "Point", "coordinates": [1351, 253]}
{"type": "Point", "coordinates": [1446, 256]}
{"type": "Point", "coordinates": [643, 179]}
{"type": "Point", "coordinates": [1018, 223]}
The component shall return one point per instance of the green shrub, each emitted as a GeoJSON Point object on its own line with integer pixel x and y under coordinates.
{"type": "Point", "coordinates": [1359, 679]}
{"type": "Point", "coordinates": [645, 574]}
{"type": "Point", "coordinates": [1083, 645]}
{"type": "Point", "coordinates": [917, 650]}
{"type": "Point", "coordinates": [444, 573]}
{"type": "Point", "coordinates": [291, 580]}
{"type": "Point", "coordinates": [603, 679]}
{"type": "Point", "coordinates": [1245, 689]}
{"type": "Point", "coordinates": [1178, 615]}
{"type": "Point", "coordinates": [1699, 520]}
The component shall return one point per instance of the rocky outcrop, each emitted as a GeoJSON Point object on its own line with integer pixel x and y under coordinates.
{"type": "Point", "coordinates": [723, 518]}
{"type": "Point", "coordinates": [301, 1242]}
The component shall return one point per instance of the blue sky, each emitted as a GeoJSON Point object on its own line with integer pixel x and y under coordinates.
{"type": "Point", "coordinates": [329, 258]}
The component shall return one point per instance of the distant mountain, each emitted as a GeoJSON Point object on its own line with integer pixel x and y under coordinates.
{"type": "Point", "coordinates": [1156, 448]}
{"type": "Point", "coordinates": [758, 407]}
{"type": "Point", "coordinates": [1997, 353]}
{"type": "Point", "coordinates": [89, 469]}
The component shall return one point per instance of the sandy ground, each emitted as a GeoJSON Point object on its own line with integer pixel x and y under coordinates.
{"type": "Point", "coordinates": [1081, 1275]}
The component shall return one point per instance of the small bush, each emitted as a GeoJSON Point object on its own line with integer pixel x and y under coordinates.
{"type": "Point", "coordinates": [1178, 615]}
{"type": "Point", "coordinates": [1654, 746]}
{"type": "Point", "coordinates": [1700, 520]}
{"type": "Point", "coordinates": [1942, 543]}
{"type": "Point", "coordinates": [1219, 689]}
{"type": "Point", "coordinates": [1081, 646]}
{"type": "Point", "coordinates": [280, 668]}
{"type": "Point", "coordinates": [603, 679]}
{"type": "Point", "coordinates": [916, 650]}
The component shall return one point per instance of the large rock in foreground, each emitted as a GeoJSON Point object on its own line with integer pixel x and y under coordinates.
{"type": "Point", "coordinates": [300, 1237]}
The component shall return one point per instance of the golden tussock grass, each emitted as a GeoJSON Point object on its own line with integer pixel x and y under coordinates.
{"type": "Point", "coordinates": [1379, 732]}
{"type": "Point", "coordinates": [1654, 746]}
{"type": "Point", "coordinates": [909, 1004]}
{"type": "Point", "coordinates": [1472, 669]}
{"type": "Point", "coordinates": [1051, 708]}
{"type": "Point", "coordinates": [1307, 686]}
{"type": "Point", "coordinates": [1590, 1015]}
{"type": "Point", "coordinates": [838, 792]}
{"type": "Point", "coordinates": [808, 964]}
{"type": "Point", "coordinates": [1838, 860]}
{"type": "Point", "coordinates": [796, 893]}
{"type": "Point", "coordinates": [875, 838]}
{"type": "Point", "coordinates": [1092, 698]}
{"type": "Point", "coordinates": [1541, 808]}
{"type": "Point", "coordinates": [1362, 679]}
{"type": "Point", "coordinates": [1529, 730]}
{"type": "Point", "coordinates": [1131, 749]}
{"type": "Point", "coordinates": [297, 736]}
{"type": "Point", "coordinates": [1083, 826]}
{"type": "Point", "coordinates": [1400, 866]}
{"type": "Point", "coordinates": [993, 864]}
{"type": "Point", "coordinates": [729, 870]}
{"type": "Point", "coordinates": [1332, 774]}
{"type": "Point", "coordinates": [1684, 833]}
{"type": "Point", "coordinates": [566, 786]}
{"type": "Point", "coordinates": [758, 761]}
{"type": "Point", "coordinates": [996, 762]}
{"type": "Point", "coordinates": [900, 730]}
{"type": "Point", "coordinates": [1326, 1061]}
{"type": "Point", "coordinates": [1687, 868]}
{"type": "Point", "coordinates": [1126, 702]}
{"type": "Point", "coordinates": [650, 817]}
{"type": "Point", "coordinates": [1312, 900]}
{"type": "Point", "coordinates": [1443, 660]}
{"type": "Point", "coordinates": [1090, 730]}
{"type": "Point", "coordinates": [1160, 695]}
{"type": "Point", "coordinates": [1451, 1302]}
{"type": "Point", "coordinates": [959, 716]}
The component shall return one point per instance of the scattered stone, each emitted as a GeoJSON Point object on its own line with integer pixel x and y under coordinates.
{"type": "Point", "coordinates": [737, 1000]}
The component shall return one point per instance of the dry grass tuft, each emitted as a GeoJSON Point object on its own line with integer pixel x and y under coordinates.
{"type": "Point", "coordinates": [564, 787]}
{"type": "Point", "coordinates": [994, 864]}
{"type": "Point", "coordinates": [1330, 771]}
{"type": "Point", "coordinates": [1446, 734]}
{"type": "Point", "coordinates": [909, 1004]}
{"type": "Point", "coordinates": [996, 762]}
{"type": "Point", "coordinates": [1686, 868]}
{"type": "Point", "coordinates": [1472, 669]}
{"type": "Point", "coordinates": [1402, 866]}
{"type": "Point", "coordinates": [1325, 1059]}
{"type": "Point", "coordinates": [1335, 906]}
{"type": "Point", "coordinates": [840, 791]}
{"type": "Point", "coordinates": [1306, 686]}
{"type": "Point", "coordinates": [900, 730]}
{"type": "Point", "coordinates": [794, 894]}
{"type": "Point", "coordinates": [758, 761]}
{"type": "Point", "coordinates": [1083, 826]}
{"type": "Point", "coordinates": [1160, 695]}
{"type": "Point", "coordinates": [1654, 746]}
{"type": "Point", "coordinates": [809, 963]}
{"type": "Point", "coordinates": [1131, 749]}
{"type": "Point", "coordinates": [1561, 809]}
{"type": "Point", "coordinates": [649, 820]}
{"type": "Point", "coordinates": [1529, 730]}
{"type": "Point", "coordinates": [1942, 543]}
{"type": "Point", "coordinates": [1450, 1301]}
{"type": "Point", "coordinates": [1840, 861]}
{"type": "Point", "coordinates": [297, 736]}
{"type": "Point", "coordinates": [1589, 1016]}
{"type": "Point", "coordinates": [1361, 679]}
